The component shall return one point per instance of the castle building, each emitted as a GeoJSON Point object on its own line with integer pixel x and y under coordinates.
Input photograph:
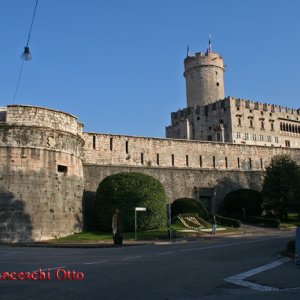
{"type": "Point", "coordinates": [50, 168]}
{"type": "Point", "coordinates": [209, 116]}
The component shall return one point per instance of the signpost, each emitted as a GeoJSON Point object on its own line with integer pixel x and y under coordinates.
{"type": "Point", "coordinates": [136, 209]}
{"type": "Point", "coordinates": [298, 245]}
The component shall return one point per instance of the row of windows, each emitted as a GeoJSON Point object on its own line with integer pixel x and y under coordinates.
{"type": "Point", "coordinates": [262, 124]}
{"type": "Point", "coordinates": [289, 127]}
{"type": "Point", "coordinates": [255, 137]}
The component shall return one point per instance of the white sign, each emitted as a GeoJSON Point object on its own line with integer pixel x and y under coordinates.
{"type": "Point", "coordinates": [140, 209]}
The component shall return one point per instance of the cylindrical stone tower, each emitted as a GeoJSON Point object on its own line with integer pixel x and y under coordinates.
{"type": "Point", "coordinates": [41, 173]}
{"type": "Point", "coordinates": [204, 76]}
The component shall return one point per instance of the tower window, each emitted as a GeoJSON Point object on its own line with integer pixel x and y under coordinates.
{"type": "Point", "coordinates": [261, 163]}
{"type": "Point", "coordinates": [250, 163]}
{"type": "Point", "coordinates": [62, 169]}
{"type": "Point", "coordinates": [238, 163]}
{"type": "Point", "coordinates": [218, 84]}
{"type": "Point", "coordinates": [111, 144]}
{"type": "Point", "coordinates": [126, 147]}
{"type": "Point", "coordinates": [157, 159]}
{"type": "Point", "coordinates": [173, 160]}
{"type": "Point", "coordinates": [200, 161]}
{"type": "Point", "coordinates": [187, 160]}
{"type": "Point", "coordinates": [142, 158]}
{"type": "Point", "coordinates": [226, 162]}
{"type": "Point", "coordinates": [94, 142]}
{"type": "Point", "coordinates": [214, 161]}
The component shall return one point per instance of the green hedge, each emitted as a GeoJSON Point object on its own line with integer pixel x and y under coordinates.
{"type": "Point", "coordinates": [251, 200]}
{"type": "Point", "coordinates": [189, 205]}
{"type": "Point", "coordinates": [228, 222]}
{"type": "Point", "coordinates": [127, 191]}
{"type": "Point", "coordinates": [268, 222]}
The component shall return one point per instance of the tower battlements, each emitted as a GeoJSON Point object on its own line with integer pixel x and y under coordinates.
{"type": "Point", "coordinates": [201, 59]}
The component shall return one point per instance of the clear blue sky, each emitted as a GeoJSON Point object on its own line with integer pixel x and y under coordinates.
{"type": "Point", "coordinates": [117, 65]}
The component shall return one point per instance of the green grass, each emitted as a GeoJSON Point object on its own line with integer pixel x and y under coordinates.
{"type": "Point", "coordinates": [292, 221]}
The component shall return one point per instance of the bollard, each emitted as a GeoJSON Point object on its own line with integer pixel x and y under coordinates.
{"type": "Point", "coordinates": [297, 245]}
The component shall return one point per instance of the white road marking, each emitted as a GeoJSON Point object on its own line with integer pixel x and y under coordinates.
{"type": "Point", "coordinates": [11, 253]}
{"type": "Point", "coordinates": [49, 269]}
{"type": "Point", "coordinates": [228, 245]}
{"type": "Point", "coordinates": [165, 253]}
{"type": "Point", "coordinates": [239, 279]}
{"type": "Point", "coordinates": [96, 262]}
{"type": "Point", "coordinates": [132, 257]}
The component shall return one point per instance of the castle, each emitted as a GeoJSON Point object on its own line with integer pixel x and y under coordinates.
{"type": "Point", "coordinates": [50, 169]}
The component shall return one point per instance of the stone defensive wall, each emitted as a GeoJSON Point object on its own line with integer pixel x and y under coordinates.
{"type": "Point", "coordinates": [41, 174]}
{"type": "Point", "coordinates": [185, 168]}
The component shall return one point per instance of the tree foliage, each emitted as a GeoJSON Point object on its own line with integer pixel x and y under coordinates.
{"type": "Point", "coordinates": [237, 200]}
{"type": "Point", "coordinates": [189, 205]}
{"type": "Point", "coordinates": [281, 186]}
{"type": "Point", "coordinates": [126, 191]}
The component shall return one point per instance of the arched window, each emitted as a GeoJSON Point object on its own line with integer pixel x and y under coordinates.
{"type": "Point", "coordinates": [290, 128]}
{"type": "Point", "coordinates": [281, 127]}
{"type": "Point", "coordinates": [272, 126]}
{"type": "Point", "coordinates": [262, 125]}
{"type": "Point", "coordinates": [239, 121]}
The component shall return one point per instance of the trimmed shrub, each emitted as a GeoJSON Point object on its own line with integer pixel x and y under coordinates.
{"type": "Point", "coordinates": [126, 191]}
{"type": "Point", "coordinates": [268, 222]}
{"type": "Point", "coordinates": [188, 205]}
{"type": "Point", "coordinates": [251, 200]}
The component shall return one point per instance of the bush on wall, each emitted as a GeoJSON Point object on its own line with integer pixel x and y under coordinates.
{"type": "Point", "coordinates": [126, 191]}
{"type": "Point", "coordinates": [188, 205]}
{"type": "Point", "coordinates": [251, 200]}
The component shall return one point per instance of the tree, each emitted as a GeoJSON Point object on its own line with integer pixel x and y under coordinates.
{"type": "Point", "coordinates": [125, 191]}
{"type": "Point", "coordinates": [281, 186]}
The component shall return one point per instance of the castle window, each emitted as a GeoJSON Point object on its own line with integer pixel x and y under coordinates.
{"type": "Point", "coordinates": [269, 139]}
{"type": "Point", "coordinates": [209, 138]}
{"type": "Point", "coordinates": [157, 159]}
{"type": "Point", "coordinates": [126, 147]}
{"type": "Point", "coordinates": [261, 163]}
{"type": "Point", "coordinates": [218, 136]}
{"type": "Point", "coordinates": [237, 108]}
{"type": "Point", "coordinates": [250, 163]}
{"type": "Point", "coordinates": [218, 84]}
{"type": "Point", "coordinates": [200, 161]}
{"type": "Point", "coordinates": [238, 135]}
{"type": "Point", "coordinates": [246, 136]}
{"type": "Point", "coordinates": [254, 137]}
{"type": "Point", "coordinates": [261, 112]}
{"type": "Point", "coordinates": [287, 143]}
{"type": "Point", "coordinates": [272, 126]}
{"type": "Point", "coordinates": [173, 160]}
{"type": "Point", "coordinates": [262, 125]}
{"type": "Point", "coordinates": [251, 123]}
{"type": "Point", "coordinates": [281, 127]}
{"type": "Point", "coordinates": [187, 160]}
{"type": "Point", "coordinates": [198, 118]}
{"type": "Point", "coordinates": [226, 162]}
{"type": "Point", "coordinates": [250, 110]}
{"type": "Point", "coordinates": [142, 158]}
{"type": "Point", "coordinates": [94, 142]}
{"type": "Point", "coordinates": [276, 139]}
{"type": "Point", "coordinates": [216, 73]}
{"type": "Point", "coordinates": [214, 161]}
{"type": "Point", "coordinates": [238, 163]}
{"type": "Point", "coordinates": [261, 137]}
{"type": "Point", "coordinates": [111, 144]}
{"type": "Point", "coordinates": [270, 114]}
{"type": "Point", "coordinates": [239, 121]}
{"type": "Point", "coordinates": [62, 169]}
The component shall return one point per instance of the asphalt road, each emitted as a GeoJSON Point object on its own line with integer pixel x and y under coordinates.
{"type": "Point", "coordinates": [190, 270]}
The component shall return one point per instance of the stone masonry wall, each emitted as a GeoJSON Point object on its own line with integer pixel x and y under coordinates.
{"type": "Point", "coordinates": [41, 174]}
